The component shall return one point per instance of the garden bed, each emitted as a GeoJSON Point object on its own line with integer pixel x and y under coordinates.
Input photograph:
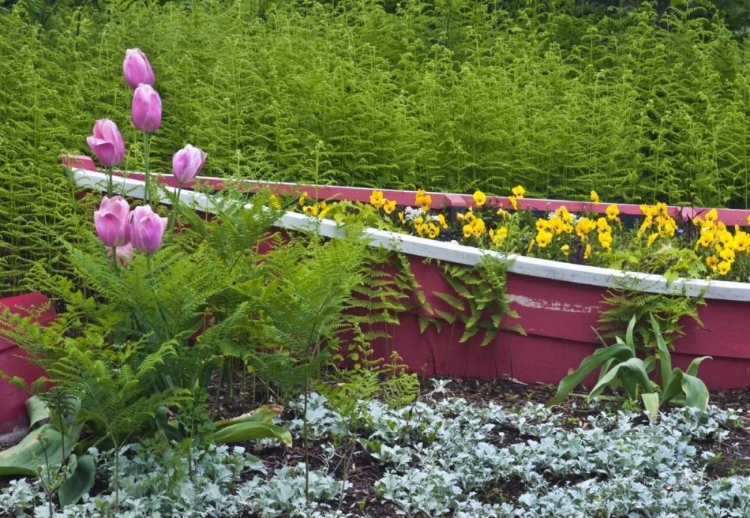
{"type": "Point", "coordinates": [516, 458]}
{"type": "Point", "coordinates": [558, 304]}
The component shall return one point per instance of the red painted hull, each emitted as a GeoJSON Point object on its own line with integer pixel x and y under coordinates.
{"type": "Point", "coordinates": [14, 362]}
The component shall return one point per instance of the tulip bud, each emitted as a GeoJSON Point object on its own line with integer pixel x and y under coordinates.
{"type": "Point", "coordinates": [137, 69]}
{"type": "Point", "coordinates": [112, 221]}
{"type": "Point", "coordinates": [187, 163]}
{"type": "Point", "coordinates": [124, 254]}
{"type": "Point", "coordinates": [146, 111]}
{"type": "Point", "coordinates": [107, 143]}
{"type": "Point", "coordinates": [146, 229]}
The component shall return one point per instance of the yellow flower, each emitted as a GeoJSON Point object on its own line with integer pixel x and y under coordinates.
{"type": "Point", "coordinates": [423, 199]}
{"type": "Point", "coordinates": [605, 239]}
{"type": "Point", "coordinates": [594, 197]}
{"type": "Point", "coordinates": [583, 227]}
{"type": "Point", "coordinates": [480, 198]}
{"type": "Point", "coordinates": [477, 226]}
{"type": "Point", "coordinates": [467, 231]}
{"type": "Point", "coordinates": [513, 202]}
{"type": "Point", "coordinates": [542, 224]}
{"type": "Point", "coordinates": [587, 253]}
{"type": "Point", "coordinates": [377, 200]}
{"type": "Point", "coordinates": [302, 199]}
{"type": "Point", "coordinates": [725, 237]}
{"type": "Point", "coordinates": [564, 215]}
{"type": "Point", "coordinates": [433, 230]}
{"type": "Point", "coordinates": [602, 225]}
{"type": "Point", "coordinates": [389, 206]}
{"type": "Point", "coordinates": [712, 261]}
{"type": "Point", "coordinates": [613, 211]}
{"type": "Point", "coordinates": [441, 221]}
{"type": "Point", "coordinates": [324, 208]}
{"type": "Point", "coordinates": [706, 239]}
{"type": "Point", "coordinates": [712, 215]}
{"type": "Point", "coordinates": [652, 237]}
{"type": "Point", "coordinates": [498, 237]}
{"type": "Point", "coordinates": [418, 221]}
{"type": "Point", "coordinates": [724, 267]}
{"type": "Point", "coordinates": [727, 254]}
{"type": "Point", "coordinates": [401, 218]}
{"type": "Point", "coordinates": [565, 249]}
{"type": "Point", "coordinates": [748, 220]}
{"type": "Point", "coordinates": [274, 202]}
{"type": "Point", "coordinates": [501, 213]}
{"type": "Point", "coordinates": [543, 238]}
{"type": "Point", "coordinates": [518, 191]}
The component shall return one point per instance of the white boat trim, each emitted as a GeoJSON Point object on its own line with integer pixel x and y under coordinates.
{"type": "Point", "coordinates": [456, 253]}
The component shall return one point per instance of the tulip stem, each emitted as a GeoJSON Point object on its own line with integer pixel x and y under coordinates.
{"type": "Point", "coordinates": [147, 197]}
{"type": "Point", "coordinates": [114, 257]}
{"type": "Point", "coordinates": [110, 186]}
{"type": "Point", "coordinates": [173, 215]}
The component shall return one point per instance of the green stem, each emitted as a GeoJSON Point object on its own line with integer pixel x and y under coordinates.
{"type": "Point", "coordinates": [114, 257]}
{"type": "Point", "coordinates": [150, 263]}
{"type": "Point", "coordinates": [146, 170]}
{"type": "Point", "coordinates": [173, 215]}
{"type": "Point", "coordinates": [110, 186]}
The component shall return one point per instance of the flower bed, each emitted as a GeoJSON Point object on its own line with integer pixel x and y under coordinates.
{"type": "Point", "coordinates": [558, 303]}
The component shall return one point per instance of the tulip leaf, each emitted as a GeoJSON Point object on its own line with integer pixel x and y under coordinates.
{"type": "Point", "coordinates": [79, 483]}
{"type": "Point", "coordinates": [251, 430]}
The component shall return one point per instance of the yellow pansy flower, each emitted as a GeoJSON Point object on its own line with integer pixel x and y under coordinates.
{"type": "Point", "coordinates": [724, 267]}
{"type": "Point", "coordinates": [477, 226]}
{"type": "Point", "coordinates": [479, 198]}
{"type": "Point", "coordinates": [389, 206]}
{"type": "Point", "coordinates": [377, 199]}
{"type": "Point", "coordinates": [303, 198]}
{"type": "Point", "coordinates": [727, 254]}
{"type": "Point", "coordinates": [401, 218]}
{"type": "Point", "coordinates": [565, 249]}
{"type": "Point", "coordinates": [441, 221]}
{"type": "Point", "coordinates": [587, 253]}
{"type": "Point", "coordinates": [518, 191]}
{"type": "Point", "coordinates": [652, 237]}
{"type": "Point", "coordinates": [712, 261]}
{"type": "Point", "coordinates": [594, 197]}
{"type": "Point", "coordinates": [613, 211]}
{"type": "Point", "coordinates": [513, 202]}
{"type": "Point", "coordinates": [543, 238]}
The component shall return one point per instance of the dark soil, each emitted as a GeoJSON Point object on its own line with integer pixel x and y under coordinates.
{"type": "Point", "coordinates": [363, 471]}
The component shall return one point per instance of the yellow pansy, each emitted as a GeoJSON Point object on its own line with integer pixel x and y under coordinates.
{"type": "Point", "coordinates": [587, 253]}
{"type": "Point", "coordinates": [652, 237]}
{"type": "Point", "coordinates": [479, 198]}
{"type": "Point", "coordinates": [594, 197]}
{"type": "Point", "coordinates": [513, 202]}
{"type": "Point", "coordinates": [441, 221]}
{"type": "Point", "coordinates": [605, 239]}
{"type": "Point", "coordinates": [401, 218]}
{"type": "Point", "coordinates": [518, 191]}
{"type": "Point", "coordinates": [497, 237]}
{"type": "Point", "coordinates": [724, 267]}
{"type": "Point", "coordinates": [303, 199]}
{"type": "Point", "coordinates": [712, 261]}
{"type": "Point", "coordinates": [543, 238]}
{"type": "Point", "coordinates": [727, 254]}
{"type": "Point", "coordinates": [613, 211]}
{"type": "Point", "coordinates": [433, 230]}
{"type": "Point", "coordinates": [389, 206]}
{"type": "Point", "coordinates": [565, 249]}
{"type": "Point", "coordinates": [377, 199]}
{"type": "Point", "coordinates": [477, 226]}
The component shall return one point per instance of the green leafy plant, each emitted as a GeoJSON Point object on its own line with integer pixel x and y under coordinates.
{"type": "Point", "coordinates": [620, 367]}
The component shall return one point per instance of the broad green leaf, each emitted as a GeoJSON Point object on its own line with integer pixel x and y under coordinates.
{"type": "Point", "coordinates": [692, 369]}
{"type": "Point", "coordinates": [79, 483]}
{"type": "Point", "coordinates": [264, 414]}
{"type": "Point", "coordinates": [22, 458]}
{"type": "Point", "coordinates": [633, 375]}
{"type": "Point", "coordinates": [696, 393]}
{"type": "Point", "coordinates": [629, 335]}
{"type": "Point", "coordinates": [587, 366]}
{"type": "Point", "coordinates": [251, 430]}
{"type": "Point", "coordinates": [672, 387]}
{"type": "Point", "coordinates": [665, 358]}
{"type": "Point", "coordinates": [37, 411]}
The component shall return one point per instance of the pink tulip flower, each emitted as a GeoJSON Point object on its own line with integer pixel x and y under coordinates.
{"type": "Point", "coordinates": [124, 254]}
{"type": "Point", "coordinates": [146, 229]}
{"type": "Point", "coordinates": [146, 110]}
{"type": "Point", "coordinates": [137, 69]}
{"type": "Point", "coordinates": [107, 143]}
{"type": "Point", "coordinates": [187, 163]}
{"type": "Point", "coordinates": [112, 221]}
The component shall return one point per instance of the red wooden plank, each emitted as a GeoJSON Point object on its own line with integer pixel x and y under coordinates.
{"type": "Point", "coordinates": [13, 361]}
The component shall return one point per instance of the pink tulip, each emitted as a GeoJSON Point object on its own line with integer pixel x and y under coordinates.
{"type": "Point", "coordinates": [187, 163]}
{"type": "Point", "coordinates": [146, 229]}
{"type": "Point", "coordinates": [146, 109]}
{"type": "Point", "coordinates": [107, 143]}
{"type": "Point", "coordinates": [137, 69]}
{"type": "Point", "coordinates": [112, 221]}
{"type": "Point", "coordinates": [124, 254]}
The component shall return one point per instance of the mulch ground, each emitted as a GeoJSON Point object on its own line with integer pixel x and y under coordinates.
{"type": "Point", "coordinates": [363, 471]}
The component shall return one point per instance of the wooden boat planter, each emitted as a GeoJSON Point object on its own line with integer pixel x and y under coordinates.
{"type": "Point", "coordinates": [558, 304]}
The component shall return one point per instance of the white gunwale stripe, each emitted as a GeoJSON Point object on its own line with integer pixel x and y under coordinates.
{"type": "Point", "coordinates": [459, 254]}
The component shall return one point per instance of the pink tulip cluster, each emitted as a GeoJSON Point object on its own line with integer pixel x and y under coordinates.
{"type": "Point", "coordinates": [121, 229]}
